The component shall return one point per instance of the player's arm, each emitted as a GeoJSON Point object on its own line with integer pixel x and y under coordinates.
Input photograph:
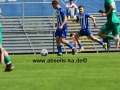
{"type": "Point", "coordinates": [107, 13]}
{"type": "Point", "coordinates": [55, 24]}
{"type": "Point", "coordinates": [110, 10]}
{"type": "Point", "coordinates": [93, 19]}
{"type": "Point", "coordinates": [65, 20]}
{"type": "Point", "coordinates": [76, 19]}
{"type": "Point", "coordinates": [101, 11]}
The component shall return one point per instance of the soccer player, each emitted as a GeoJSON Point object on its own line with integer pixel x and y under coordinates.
{"type": "Point", "coordinates": [4, 57]}
{"type": "Point", "coordinates": [112, 24]}
{"type": "Point", "coordinates": [85, 30]}
{"type": "Point", "coordinates": [62, 28]}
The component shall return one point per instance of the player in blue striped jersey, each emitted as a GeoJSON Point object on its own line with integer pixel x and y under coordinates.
{"type": "Point", "coordinates": [85, 30]}
{"type": "Point", "coordinates": [62, 28]}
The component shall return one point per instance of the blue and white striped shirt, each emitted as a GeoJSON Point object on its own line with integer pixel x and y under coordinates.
{"type": "Point", "coordinates": [83, 19]}
{"type": "Point", "coordinates": [60, 13]}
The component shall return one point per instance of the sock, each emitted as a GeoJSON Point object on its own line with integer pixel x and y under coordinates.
{"type": "Point", "coordinates": [80, 45]}
{"type": "Point", "coordinates": [101, 42]}
{"type": "Point", "coordinates": [7, 60]}
{"type": "Point", "coordinates": [59, 49]}
{"type": "Point", "coordinates": [116, 39]}
{"type": "Point", "coordinates": [110, 37]}
{"type": "Point", "coordinates": [70, 45]}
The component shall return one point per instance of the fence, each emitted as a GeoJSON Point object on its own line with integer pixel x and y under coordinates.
{"type": "Point", "coordinates": [20, 9]}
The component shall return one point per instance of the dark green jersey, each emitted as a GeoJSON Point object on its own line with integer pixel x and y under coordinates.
{"type": "Point", "coordinates": [112, 17]}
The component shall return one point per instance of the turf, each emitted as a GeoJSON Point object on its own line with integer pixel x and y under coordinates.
{"type": "Point", "coordinates": [101, 71]}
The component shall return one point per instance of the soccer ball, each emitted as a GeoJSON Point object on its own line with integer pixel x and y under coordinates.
{"type": "Point", "coordinates": [44, 52]}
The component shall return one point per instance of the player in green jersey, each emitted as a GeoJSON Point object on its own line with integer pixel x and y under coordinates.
{"type": "Point", "coordinates": [4, 57]}
{"type": "Point", "coordinates": [113, 23]}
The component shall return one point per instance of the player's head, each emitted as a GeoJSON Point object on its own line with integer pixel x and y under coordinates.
{"type": "Point", "coordinates": [71, 35]}
{"type": "Point", "coordinates": [81, 9]}
{"type": "Point", "coordinates": [70, 1]}
{"type": "Point", "coordinates": [55, 4]}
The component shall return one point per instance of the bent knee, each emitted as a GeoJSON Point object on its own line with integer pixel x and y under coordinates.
{"type": "Point", "coordinates": [100, 33]}
{"type": "Point", "coordinates": [77, 36]}
{"type": "Point", "coordinates": [63, 40]}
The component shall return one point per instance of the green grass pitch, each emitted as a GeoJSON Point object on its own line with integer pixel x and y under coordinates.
{"type": "Point", "coordinates": [99, 71]}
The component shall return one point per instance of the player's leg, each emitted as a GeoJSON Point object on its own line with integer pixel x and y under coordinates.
{"type": "Point", "coordinates": [95, 39]}
{"type": "Point", "coordinates": [105, 31]}
{"type": "Point", "coordinates": [75, 45]}
{"type": "Point", "coordinates": [7, 61]}
{"type": "Point", "coordinates": [117, 42]}
{"type": "Point", "coordinates": [1, 54]}
{"type": "Point", "coordinates": [4, 55]}
{"type": "Point", "coordinates": [77, 35]}
{"type": "Point", "coordinates": [63, 35]}
{"type": "Point", "coordinates": [64, 41]}
{"type": "Point", "coordinates": [58, 43]}
{"type": "Point", "coordinates": [98, 40]}
{"type": "Point", "coordinates": [116, 33]}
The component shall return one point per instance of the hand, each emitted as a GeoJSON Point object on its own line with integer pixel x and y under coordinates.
{"type": "Point", "coordinates": [95, 25]}
{"type": "Point", "coordinates": [55, 24]}
{"type": "Point", "coordinates": [104, 14]}
{"type": "Point", "coordinates": [73, 20]}
{"type": "Point", "coordinates": [101, 11]}
{"type": "Point", "coordinates": [73, 6]}
{"type": "Point", "coordinates": [60, 28]}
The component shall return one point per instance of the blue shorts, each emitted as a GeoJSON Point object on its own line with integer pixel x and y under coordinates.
{"type": "Point", "coordinates": [62, 33]}
{"type": "Point", "coordinates": [85, 32]}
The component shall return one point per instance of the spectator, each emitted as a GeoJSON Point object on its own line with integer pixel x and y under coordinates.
{"type": "Point", "coordinates": [71, 9]}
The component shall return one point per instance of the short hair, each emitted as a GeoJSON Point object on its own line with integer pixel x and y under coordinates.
{"type": "Point", "coordinates": [80, 7]}
{"type": "Point", "coordinates": [71, 34]}
{"type": "Point", "coordinates": [70, 0]}
{"type": "Point", "coordinates": [55, 2]}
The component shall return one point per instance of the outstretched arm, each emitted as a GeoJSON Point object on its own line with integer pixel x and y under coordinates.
{"type": "Point", "coordinates": [93, 19]}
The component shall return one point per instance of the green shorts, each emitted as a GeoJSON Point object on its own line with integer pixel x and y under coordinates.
{"type": "Point", "coordinates": [0, 34]}
{"type": "Point", "coordinates": [113, 28]}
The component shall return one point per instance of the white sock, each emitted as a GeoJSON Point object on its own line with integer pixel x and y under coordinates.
{"type": "Point", "coordinates": [116, 39]}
